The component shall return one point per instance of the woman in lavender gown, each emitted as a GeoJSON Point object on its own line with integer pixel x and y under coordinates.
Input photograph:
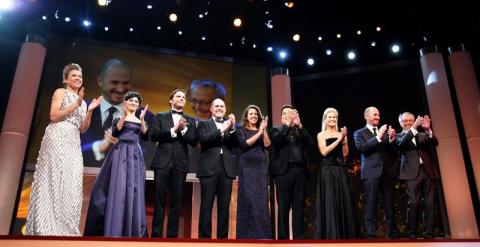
{"type": "Point", "coordinates": [253, 220]}
{"type": "Point", "coordinates": [117, 202]}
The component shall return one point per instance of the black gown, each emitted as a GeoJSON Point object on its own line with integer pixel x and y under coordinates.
{"type": "Point", "coordinates": [335, 218]}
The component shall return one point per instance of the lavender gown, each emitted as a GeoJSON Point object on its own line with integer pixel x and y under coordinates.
{"type": "Point", "coordinates": [117, 202]}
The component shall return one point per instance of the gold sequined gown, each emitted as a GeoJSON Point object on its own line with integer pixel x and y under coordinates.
{"type": "Point", "coordinates": [56, 197]}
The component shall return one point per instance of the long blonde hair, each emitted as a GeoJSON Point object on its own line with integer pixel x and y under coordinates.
{"type": "Point", "coordinates": [328, 110]}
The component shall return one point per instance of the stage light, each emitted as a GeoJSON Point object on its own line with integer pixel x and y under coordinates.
{"type": "Point", "coordinates": [44, 17]}
{"type": "Point", "coordinates": [159, 28]}
{"type": "Point", "coordinates": [289, 4]}
{"type": "Point", "coordinates": [67, 19]}
{"type": "Point", "coordinates": [204, 38]}
{"type": "Point", "coordinates": [231, 44]}
{"type": "Point", "coordinates": [149, 6]}
{"type": "Point", "coordinates": [328, 52]}
{"type": "Point", "coordinates": [200, 16]}
{"type": "Point", "coordinates": [6, 5]}
{"type": "Point", "coordinates": [106, 29]}
{"type": "Point", "coordinates": [373, 43]}
{"type": "Point", "coordinates": [130, 29]}
{"type": "Point", "coordinates": [173, 17]}
{"type": "Point", "coordinates": [359, 32]}
{"type": "Point", "coordinates": [237, 22]}
{"type": "Point", "coordinates": [86, 23]}
{"type": "Point", "coordinates": [320, 38]}
{"type": "Point", "coordinates": [296, 37]}
{"type": "Point", "coordinates": [282, 55]}
{"type": "Point", "coordinates": [310, 61]}
{"type": "Point", "coordinates": [180, 32]}
{"type": "Point", "coordinates": [269, 49]}
{"type": "Point", "coordinates": [395, 48]}
{"type": "Point", "coordinates": [103, 3]}
{"type": "Point", "coordinates": [254, 46]}
{"type": "Point", "coordinates": [269, 24]}
{"type": "Point", "coordinates": [339, 35]}
{"type": "Point", "coordinates": [351, 55]}
{"type": "Point", "coordinates": [379, 29]}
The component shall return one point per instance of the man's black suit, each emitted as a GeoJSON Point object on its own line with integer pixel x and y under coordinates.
{"type": "Point", "coordinates": [418, 171]}
{"type": "Point", "coordinates": [170, 165]}
{"type": "Point", "coordinates": [290, 177]}
{"type": "Point", "coordinates": [377, 170]}
{"type": "Point", "coordinates": [216, 172]}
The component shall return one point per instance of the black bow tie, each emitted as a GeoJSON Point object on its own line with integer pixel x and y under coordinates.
{"type": "Point", "coordinates": [177, 112]}
{"type": "Point", "coordinates": [219, 120]}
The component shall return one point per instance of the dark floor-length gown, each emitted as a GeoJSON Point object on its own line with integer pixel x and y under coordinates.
{"type": "Point", "coordinates": [335, 218]}
{"type": "Point", "coordinates": [117, 202]}
{"type": "Point", "coordinates": [253, 220]}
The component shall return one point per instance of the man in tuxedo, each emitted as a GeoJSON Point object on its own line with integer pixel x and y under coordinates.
{"type": "Point", "coordinates": [417, 169]}
{"type": "Point", "coordinates": [216, 170]}
{"type": "Point", "coordinates": [114, 81]}
{"type": "Point", "coordinates": [288, 166]}
{"type": "Point", "coordinates": [376, 148]}
{"type": "Point", "coordinates": [173, 131]}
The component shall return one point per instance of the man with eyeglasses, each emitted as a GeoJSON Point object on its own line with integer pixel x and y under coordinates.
{"type": "Point", "coordinates": [201, 93]}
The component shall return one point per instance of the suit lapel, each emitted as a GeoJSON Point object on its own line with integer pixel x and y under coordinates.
{"type": "Point", "coordinates": [170, 119]}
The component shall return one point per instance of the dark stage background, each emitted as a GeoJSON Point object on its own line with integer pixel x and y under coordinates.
{"type": "Point", "coordinates": [393, 88]}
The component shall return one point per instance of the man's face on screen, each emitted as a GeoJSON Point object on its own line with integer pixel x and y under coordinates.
{"type": "Point", "coordinates": [201, 100]}
{"type": "Point", "coordinates": [115, 83]}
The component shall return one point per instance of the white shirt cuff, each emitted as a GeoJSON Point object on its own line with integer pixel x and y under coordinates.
{"type": "Point", "coordinates": [378, 139]}
{"type": "Point", "coordinates": [414, 131]}
{"type": "Point", "coordinates": [184, 130]}
{"type": "Point", "coordinates": [173, 133]}
{"type": "Point", "coordinates": [96, 151]}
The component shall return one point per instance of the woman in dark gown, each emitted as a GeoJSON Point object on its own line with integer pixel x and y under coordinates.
{"type": "Point", "coordinates": [253, 219]}
{"type": "Point", "coordinates": [117, 201]}
{"type": "Point", "coordinates": [335, 217]}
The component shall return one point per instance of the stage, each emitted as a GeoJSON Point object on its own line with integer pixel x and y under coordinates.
{"type": "Point", "coordinates": [7, 241]}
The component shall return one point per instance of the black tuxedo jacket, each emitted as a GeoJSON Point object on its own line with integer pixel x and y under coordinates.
{"type": "Point", "coordinates": [172, 151]}
{"type": "Point", "coordinates": [410, 154]}
{"type": "Point", "coordinates": [375, 157]}
{"type": "Point", "coordinates": [280, 149]}
{"type": "Point", "coordinates": [211, 142]}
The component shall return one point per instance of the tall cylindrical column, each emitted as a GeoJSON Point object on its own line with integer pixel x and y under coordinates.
{"type": "Point", "coordinates": [468, 97]}
{"type": "Point", "coordinates": [281, 93]}
{"type": "Point", "coordinates": [452, 166]}
{"type": "Point", "coordinates": [16, 124]}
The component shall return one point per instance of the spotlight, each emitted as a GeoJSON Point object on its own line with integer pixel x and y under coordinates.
{"type": "Point", "coordinates": [395, 48]}
{"type": "Point", "coordinates": [351, 55]}
{"type": "Point", "coordinates": [149, 6]}
{"type": "Point", "coordinates": [44, 17]}
{"type": "Point", "coordinates": [204, 38]}
{"type": "Point", "coordinates": [103, 3]}
{"type": "Point", "coordinates": [320, 38]}
{"type": "Point", "coordinates": [254, 46]}
{"type": "Point", "coordinates": [173, 17]}
{"type": "Point", "coordinates": [180, 32]}
{"type": "Point", "coordinates": [339, 35]}
{"type": "Point", "coordinates": [289, 4]}
{"type": "Point", "coordinates": [200, 16]}
{"type": "Point", "coordinates": [373, 43]}
{"type": "Point", "coordinates": [231, 44]}
{"type": "Point", "coordinates": [269, 49]}
{"type": "Point", "coordinates": [296, 37]}
{"type": "Point", "coordinates": [67, 19]}
{"type": "Point", "coordinates": [6, 5]}
{"type": "Point", "coordinates": [269, 24]}
{"type": "Point", "coordinates": [159, 28]}
{"type": "Point", "coordinates": [328, 52]}
{"type": "Point", "coordinates": [237, 22]}
{"type": "Point", "coordinates": [379, 29]}
{"type": "Point", "coordinates": [86, 23]}
{"type": "Point", "coordinates": [282, 55]}
{"type": "Point", "coordinates": [130, 29]}
{"type": "Point", "coordinates": [310, 61]}
{"type": "Point", "coordinates": [106, 29]}
{"type": "Point", "coordinates": [359, 32]}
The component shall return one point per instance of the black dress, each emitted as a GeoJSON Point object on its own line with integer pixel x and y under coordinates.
{"type": "Point", "coordinates": [335, 217]}
{"type": "Point", "coordinates": [253, 220]}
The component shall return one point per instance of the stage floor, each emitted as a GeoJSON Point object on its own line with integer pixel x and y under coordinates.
{"type": "Point", "coordinates": [7, 241]}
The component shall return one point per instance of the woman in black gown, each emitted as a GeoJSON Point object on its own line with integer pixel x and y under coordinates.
{"type": "Point", "coordinates": [335, 217]}
{"type": "Point", "coordinates": [253, 220]}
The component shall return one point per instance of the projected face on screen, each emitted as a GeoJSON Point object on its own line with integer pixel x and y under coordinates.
{"type": "Point", "coordinates": [201, 94]}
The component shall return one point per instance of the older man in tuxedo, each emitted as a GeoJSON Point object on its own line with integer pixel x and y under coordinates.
{"type": "Point", "coordinates": [173, 131]}
{"type": "Point", "coordinates": [375, 145]}
{"type": "Point", "coordinates": [417, 169]}
{"type": "Point", "coordinates": [288, 166]}
{"type": "Point", "coordinates": [216, 170]}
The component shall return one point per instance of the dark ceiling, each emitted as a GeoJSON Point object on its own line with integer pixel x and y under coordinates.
{"type": "Point", "coordinates": [412, 28]}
